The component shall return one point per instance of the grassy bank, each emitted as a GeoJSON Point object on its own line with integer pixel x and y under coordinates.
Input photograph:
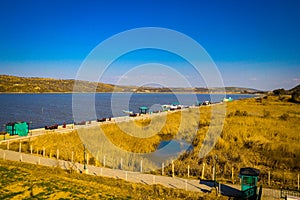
{"type": "Point", "coordinates": [23, 181]}
{"type": "Point", "coordinates": [260, 132]}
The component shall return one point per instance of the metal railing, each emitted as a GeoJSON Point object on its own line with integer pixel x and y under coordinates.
{"type": "Point", "coordinates": [286, 192]}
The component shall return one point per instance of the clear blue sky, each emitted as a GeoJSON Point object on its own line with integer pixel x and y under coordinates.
{"type": "Point", "coordinates": [254, 43]}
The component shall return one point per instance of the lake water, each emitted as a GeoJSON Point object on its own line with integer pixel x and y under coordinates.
{"type": "Point", "coordinates": [48, 109]}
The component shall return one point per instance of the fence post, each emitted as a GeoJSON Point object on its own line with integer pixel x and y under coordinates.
{"type": "Point", "coordinates": [298, 181]}
{"type": "Point", "coordinates": [97, 159]}
{"type": "Point", "coordinates": [269, 178]}
{"type": "Point", "coordinates": [213, 173]}
{"type": "Point", "coordinates": [101, 171]}
{"type": "Point", "coordinates": [232, 175]}
{"type": "Point", "coordinates": [126, 175]}
{"type": "Point", "coordinates": [104, 161]}
{"type": "Point", "coordinates": [20, 146]}
{"type": "Point", "coordinates": [30, 149]}
{"type": "Point", "coordinates": [121, 164]}
{"type": "Point", "coordinates": [173, 168]}
{"type": "Point", "coordinates": [44, 151]}
{"type": "Point", "coordinates": [162, 168]}
{"type": "Point", "coordinates": [141, 166]}
{"type": "Point", "coordinates": [57, 154]}
{"type": "Point", "coordinates": [87, 159]}
{"type": "Point", "coordinates": [203, 171]}
{"type": "Point", "coordinates": [50, 154]}
{"type": "Point", "coordinates": [37, 151]}
{"type": "Point", "coordinates": [188, 173]}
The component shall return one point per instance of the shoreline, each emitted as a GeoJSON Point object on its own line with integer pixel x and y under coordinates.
{"type": "Point", "coordinates": [234, 93]}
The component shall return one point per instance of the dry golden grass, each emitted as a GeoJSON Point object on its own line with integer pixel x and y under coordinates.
{"type": "Point", "coordinates": [258, 132]}
{"type": "Point", "coordinates": [28, 181]}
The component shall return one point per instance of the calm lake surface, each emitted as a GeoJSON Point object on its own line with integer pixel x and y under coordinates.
{"type": "Point", "coordinates": [48, 109]}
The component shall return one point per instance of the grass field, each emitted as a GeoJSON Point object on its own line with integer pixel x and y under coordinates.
{"type": "Point", "coordinates": [28, 181]}
{"type": "Point", "coordinates": [259, 132]}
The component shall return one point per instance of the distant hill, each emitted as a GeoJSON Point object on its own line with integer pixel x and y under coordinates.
{"type": "Point", "coordinates": [294, 92]}
{"type": "Point", "coordinates": [15, 84]}
{"type": "Point", "coordinates": [295, 89]}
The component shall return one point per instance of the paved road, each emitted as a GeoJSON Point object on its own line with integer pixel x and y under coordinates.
{"type": "Point", "coordinates": [71, 127]}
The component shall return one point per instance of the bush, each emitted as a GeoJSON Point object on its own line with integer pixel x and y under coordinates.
{"type": "Point", "coordinates": [266, 114]}
{"type": "Point", "coordinates": [284, 116]}
{"type": "Point", "coordinates": [241, 113]}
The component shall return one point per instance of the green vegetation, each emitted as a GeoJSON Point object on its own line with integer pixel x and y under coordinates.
{"type": "Point", "coordinates": [28, 181]}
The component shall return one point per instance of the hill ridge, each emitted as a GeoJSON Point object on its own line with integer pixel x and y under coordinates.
{"type": "Point", "coordinates": [16, 84]}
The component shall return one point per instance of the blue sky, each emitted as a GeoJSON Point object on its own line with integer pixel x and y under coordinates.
{"type": "Point", "coordinates": [253, 43]}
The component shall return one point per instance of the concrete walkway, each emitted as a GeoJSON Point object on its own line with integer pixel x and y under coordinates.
{"type": "Point", "coordinates": [136, 177]}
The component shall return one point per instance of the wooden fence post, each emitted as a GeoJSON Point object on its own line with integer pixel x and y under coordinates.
{"type": "Point", "coordinates": [97, 159]}
{"type": "Point", "coordinates": [298, 182]}
{"type": "Point", "coordinates": [57, 154]}
{"type": "Point", "coordinates": [213, 173]}
{"type": "Point", "coordinates": [188, 173]}
{"type": "Point", "coordinates": [121, 164]}
{"type": "Point", "coordinates": [20, 146]}
{"type": "Point", "coordinates": [87, 159]}
{"type": "Point", "coordinates": [44, 151]}
{"type": "Point", "coordinates": [103, 161]}
{"type": "Point", "coordinates": [232, 175]}
{"type": "Point", "coordinates": [126, 175]}
{"type": "Point", "coordinates": [269, 178]}
{"type": "Point", "coordinates": [203, 171]}
{"type": "Point", "coordinates": [173, 169]}
{"type": "Point", "coordinates": [31, 149]}
{"type": "Point", "coordinates": [162, 168]}
{"type": "Point", "coordinates": [50, 154]}
{"type": "Point", "coordinates": [141, 166]}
